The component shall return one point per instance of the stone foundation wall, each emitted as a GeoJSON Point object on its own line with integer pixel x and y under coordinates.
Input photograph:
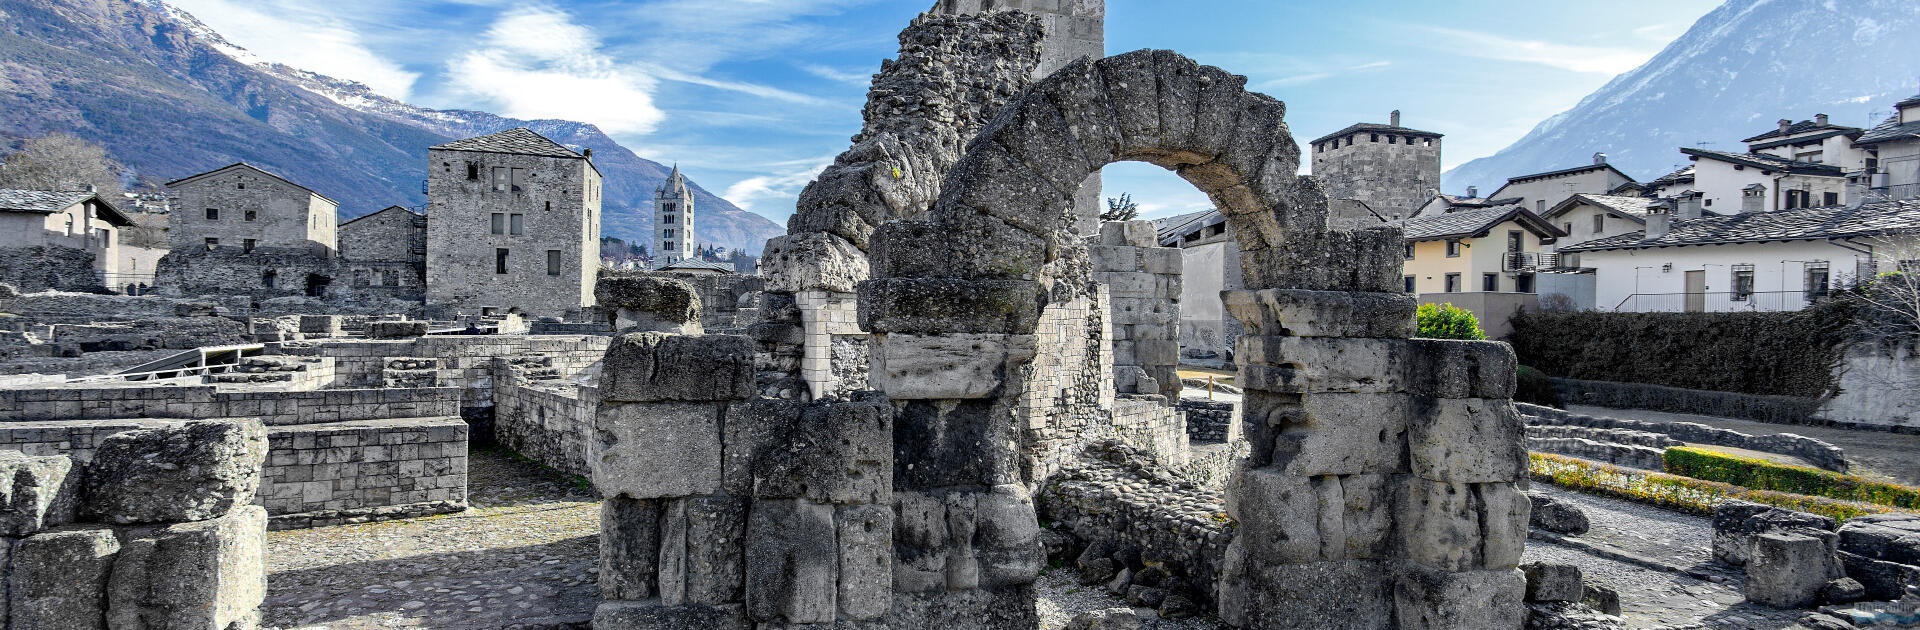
{"type": "Point", "coordinates": [1814, 451]}
{"type": "Point", "coordinates": [274, 408]}
{"type": "Point", "coordinates": [56, 267]}
{"type": "Point", "coordinates": [1068, 394]}
{"type": "Point", "coordinates": [1145, 421]}
{"type": "Point", "coordinates": [1208, 421]}
{"type": "Point", "coordinates": [1642, 457]}
{"type": "Point", "coordinates": [1879, 387]}
{"type": "Point", "coordinates": [547, 422]}
{"type": "Point", "coordinates": [464, 362]}
{"type": "Point", "coordinates": [1116, 495]}
{"type": "Point", "coordinates": [1774, 409]}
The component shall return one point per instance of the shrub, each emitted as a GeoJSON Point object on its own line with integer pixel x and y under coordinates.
{"type": "Point", "coordinates": [1532, 386]}
{"type": "Point", "coordinates": [1675, 492]}
{"type": "Point", "coordinates": [1446, 321]}
{"type": "Point", "coordinates": [1776, 354]}
{"type": "Point", "coordinates": [1760, 474]}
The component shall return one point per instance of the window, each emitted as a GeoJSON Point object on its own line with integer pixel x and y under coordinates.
{"type": "Point", "coordinates": [1830, 199]}
{"type": "Point", "coordinates": [1815, 157]}
{"type": "Point", "coordinates": [359, 277]}
{"type": "Point", "coordinates": [500, 260]}
{"type": "Point", "coordinates": [249, 216]}
{"type": "Point", "coordinates": [1599, 224]}
{"type": "Point", "coordinates": [1515, 242]}
{"type": "Point", "coordinates": [669, 245]}
{"type": "Point", "coordinates": [1376, 138]}
{"type": "Point", "coordinates": [668, 233]}
{"type": "Point", "coordinates": [1409, 281]}
{"type": "Point", "coordinates": [553, 262]}
{"type": "Point", "coordinates": [1742, 283]}
{"type": "Point", "coordinates": [1453, 283]}
{"type": "Point", "coordinates": [266, 278]}
{"type": "Point", "coordinates": [518, 178]}
{"type": "Point", "coordinates": [549, 206]}
{"type": "Point", "coordinates": [1490, 282]}
{"type": "Point", "coordinates": [473, 171]}
{"type": "Point", "coordinates": [500, 178]}
{"type": "Point", "coordinates": [1540, 206]}
{"type": "Point", "coordinates": [1817, 279]}
{"type": "Point", "coordinates": [1409, 250]}
{"type": "Point", "coordinates": [390, 278]}
{"type": "Point", "coordinates": [499, 223]}
{"type": "Point", "coordinates": [670, 218]}
{"type": "Point", "coordinates": [246, 246]}
{"type": "Point", "coordinates": [212, 243]}
{"type": "Point", "coordinates": [1453, 248]}
{"type": "Point", "coordinates": [1797, 199]}
{"type": "Point", "coordinates": [1393, 139]}
{"type": "Point", "coordinates": [213, 214]}
{"type": "Point", "coordinates": [517, 224]}
{"type": "Point", "coordinates": [1567, 227]}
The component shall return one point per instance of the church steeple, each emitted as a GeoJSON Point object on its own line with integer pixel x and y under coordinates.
{"type": "Point", "coordinates": [672, 220]}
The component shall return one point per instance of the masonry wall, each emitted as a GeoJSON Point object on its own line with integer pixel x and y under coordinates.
{"type": "Point", "coordinates": [464, 363]}
{"type": "Point", "coordinates": [560, 205]}
{"type": "Point", "coordinates": [1144, 286]}
{"type": "Point", "coordinates": [273, 408]}
{"type": "Point", "coordinates": [1068, 395]}
{"type": "Point", "coordinates": [385, 253]}
{"type": "Point", "coordinates": [40, 268]}
{"type": "Point", "coordinates": [1392, 178]}
{"type": "Point", "coordinates": [547, 422]}
{"type": "Point", "coordinates": [284, 215]}
{"type": "Point", "coordinates": [1879, 386]}
{"type": "Point", "coordinates": [719, 293]}
{"type": "Point", "coordinates": [261, 274]}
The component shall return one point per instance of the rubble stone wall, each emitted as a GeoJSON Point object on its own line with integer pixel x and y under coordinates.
{"type": "Point", "coordinates": [1207, 420]}
{"type": "Point", "coordinates": [462, 361]}
{"type": "Point", "coordinates": [50, 267]}
{"type": "Point", "coordinates": [274, 408]}
{"type": "Point", "coordinates": [1117, 496]}
{"type": "Point", "coordinates": [1642, 457]}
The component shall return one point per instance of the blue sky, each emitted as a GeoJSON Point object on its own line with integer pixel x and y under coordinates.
{"type": "Point", "coordinates": [753, 97]}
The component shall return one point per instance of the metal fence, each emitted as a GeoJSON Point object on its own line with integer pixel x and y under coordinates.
{"type": "Point", "coordinates": [1716, 302]}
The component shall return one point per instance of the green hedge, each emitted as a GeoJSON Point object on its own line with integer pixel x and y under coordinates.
{"type": "Point", "coordinates": [1676, 492]}
{"type": "Point", "coordinates": [1776, 354]}
{"type": "Point", "coordinates": [1760, 474]}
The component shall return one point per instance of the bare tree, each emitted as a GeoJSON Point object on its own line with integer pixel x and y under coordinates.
{"type": "Point", "coordinates": [58, 161]}
{"type": "Point", "coordinates": [1121, 209]}
{"type": "Point", "coordinates": [1891, 299]}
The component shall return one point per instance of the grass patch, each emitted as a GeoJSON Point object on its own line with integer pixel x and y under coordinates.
{"type": "Point", "coordinates": [1760, 474]}
{"type": "Point", "coordinates": [1684, 494]}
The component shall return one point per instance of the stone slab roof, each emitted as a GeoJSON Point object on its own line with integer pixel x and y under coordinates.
{"type": "Point", "coordinates": [1804, 126]}
{"type": "Point", "coordinates": [383, 211]}
{"type": "Point", "coordinates": [1375, 127]}
{"type": "Point", "coordinates": [1842, 131]}
{"type": "Point", "coordinates": [1567, 171]}
{"type": "Point", "coordinates": [519, 140]}
{"type": "Point", "coordinates": [52, 201]}
{"type": "Point", "coordinates": [1766, 162]}
{"type": "Point", "coordinates": [1803, 224]}
{"type": "Point", "coordinates": [1682, 176]}
{"type": "Point", "coordinates": [256, 169]}
{"type": "Point", "coordinates": [1631, 207]}
{"type": "Point", "coordinates": [1890, 129]}
{"type": "Point", "coordinates": [1473, 223]}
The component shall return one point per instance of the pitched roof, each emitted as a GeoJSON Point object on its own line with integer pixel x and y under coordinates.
{"type": "Point", "coordinates": [1840, 131]}
{"type": "Point", "coordinates": [1634, 208]}
{"type": "Point", "coordinates": [1767, 162]}
{"type": "Point", "coordinates": [52, 201]}
{"type": "Point", "coordinates": [1473, 223]}
{"type": "Point", "coordinates": [382, 211]}
{"type": "Point", "coordinates": [255, 169]}
{"type": "Point", "coordinates": [1374, 127]}
{"type": "Point", "coordinates": [1456, 201]}
{"type": "Point", "coordinates": [1890, 129]}
{"type": "Point", "coordinates": [699, 264]}
{"type": "Point", "coordinates": [1804, 126]}
{"type": "Point", "coordinates": [1169, 230]}
{"type": "Point", "coordinates": [1566, 171]}
{"type": "Point", "coordinates": [518, 140]}
{"type": "Point", "coordinates": [1682, 176]}
{"type": "Point", "coordinates": [1831, 222]}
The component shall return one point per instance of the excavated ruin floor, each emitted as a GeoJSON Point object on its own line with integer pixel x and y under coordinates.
{"type": "Point", "coordinates": [1874, 454]}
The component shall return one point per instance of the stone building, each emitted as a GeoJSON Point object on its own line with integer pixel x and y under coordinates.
{"type": "Point", "coordinates": [386, 253]}
{"type": "Point", "coordinates": [58, 240]}
{"type": "Point", "coordinates": [514, 225]}
{"type": "Point", "coordinates": [1540, 192]}
{"type": "Point", "coordinates": [672, 221]}
{"type": "Point", "coordinates": [1392, 169]}
{"type": "Point", "coordinates": [243, 207]}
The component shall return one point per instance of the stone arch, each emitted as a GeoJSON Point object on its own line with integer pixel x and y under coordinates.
{"type": "Point", "coordinates": [1380, 488]}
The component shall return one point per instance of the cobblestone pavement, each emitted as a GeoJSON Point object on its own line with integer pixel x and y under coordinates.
{"type": "Point", "coordinates": [1876, 454]}
{"type": "Point", "coordinates": [1651, 598]}
{"type": "Point", "coordinates": [523, 556]}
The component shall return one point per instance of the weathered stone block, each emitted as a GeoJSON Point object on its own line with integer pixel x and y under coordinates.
{"type": "Point", "coordinates": [793, 562]}
{"type": "Point", "coordinates": [716, 530]}
{"type": "Point", "coordinates": [36, 492]}
{"type": "Point", "coordinates": [1549, 582]}
{"type": "Point", "coordinates": [1300, 313]}
{"type": "Point", "coordinates": [396, 329]}
{"type": "Point", "coordinates": [964, 365]}
{"type": "Point", "coordinates": [1439, 523]}
{"type": "Point", "coordinates": [987, 180]}
{"type": "Point", "coordinates": [629, 548]}
{"type": "Point", "coordinates": [1311, 596]}
{"type": "Point", "coordinates": [1789, 569]}
{"type": "Point", "coordinates": [192, 472]}
{"type": "Point", "coordinates": [1503, 524]}
{"type": "Point", "coordinates": [865, 536]}
{"type": "Point", "coordinates": [1735, 523]}
{"type": "Point", "coordinates": [59, 579]}
{"type": "Point", "coordinates": [831, 452]}
{"type": "Point", "coordinates": [653, 616]}
{"type": "Point", "coordinates": [1329, 434]}
{"type": "Point", "coordinates": [954, 443]}
{"type": "Point", "coordinates": [1556, 515]}
{"type": "Point", "coordinates": [1007, 537]}
{"type": "Point", "coordinates": [941, 305]}
{"type": "Point", "coordinates": [1321, 364]}
{"type": "Point", "coordinates": [1467, 440]}
{"type": "Point", "coordinates": [657, 450]}
{"type": "Point", "coordinates": [1369, 516]}
{"type": "Point", "coordinates": [963, 247]}
{"type": "Point", "coordinates": [649, 303]}
{"type": "Point", "coordinates": [1114, 258]}
{"type": "Point", "coordinates": [1451, 368]}
{"type": "Point", "coordinates": [1279, 516]}
{"type": "Point", "coordinates": [921, 541]}
{"type": "Point", "coordinates": [207, 574]}
{"type": "Point", "coordinates": [807, 260]}
{"type": "Point", "coordinates": [655, 367]}
{"type": "Point", "coordinates": [1426, 599]}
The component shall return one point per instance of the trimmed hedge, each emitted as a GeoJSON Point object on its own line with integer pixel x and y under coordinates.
{"type": "Point", "coordinates": [1760, 474]}
{"type": "Point", "coordinates": [1676, 492]}
{"type": "Point", "coordinates": [1776, 354]}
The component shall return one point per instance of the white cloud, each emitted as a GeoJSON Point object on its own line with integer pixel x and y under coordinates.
{"type": "Point", "coordinates": [304, 39]}
{"type": "Point", "coordinates": [862, 78]}
{"type": "Point", "coordinates": [1309, 71]}
{"type": "Point", "coordinates": [1596, 59]}
{"type": "Point", "coordinates": [784, 182]}
{"type": "Point", "coordinates": [537, 63]}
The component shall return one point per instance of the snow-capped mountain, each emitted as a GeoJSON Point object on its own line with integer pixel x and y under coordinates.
{"type": "Point", "coordinates": [1738, 69]}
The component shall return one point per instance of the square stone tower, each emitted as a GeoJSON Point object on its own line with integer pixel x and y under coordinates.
{"type": "Point", "coordinates": [513, 224]}
{"type": "Point", "coordinates": [672, 221]}
{"type": "Point", "coordinates": [243, 207]}
{"type": "Point", "coordinates": [1392, 169]}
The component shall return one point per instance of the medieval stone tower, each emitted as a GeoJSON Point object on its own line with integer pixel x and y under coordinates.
{"type": "Point", "coordinates": [1075, 29]}
{"type": "Point", "coordinates": [1392, 169]}
{"type": "Point", "coordinates": [672, 221]}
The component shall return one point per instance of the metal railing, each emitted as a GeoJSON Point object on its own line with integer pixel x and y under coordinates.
{"type": "Point", "coordinates": [1529, 261]}
{"type": "Point", "coordinates": [1897, 191]}
{"type": "Point", "coordinates": [1716, 302]}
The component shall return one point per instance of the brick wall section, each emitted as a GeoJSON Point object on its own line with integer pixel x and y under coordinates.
{"type": "Point", "coordinates": [1146, 422]}
{"type": "Point", "coordinates": [546, 421]}
{"type": "Point", "coordinates": [365, 470]}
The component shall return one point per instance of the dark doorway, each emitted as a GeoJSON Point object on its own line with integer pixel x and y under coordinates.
{"type": "Point", "coordinates": [317, 285]}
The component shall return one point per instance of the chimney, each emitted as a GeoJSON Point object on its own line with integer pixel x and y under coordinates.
{"type": "Point", "coordinates": [587, 152]}
{"type": "Point", "coordinates": [1659, 218]}
{"type": "Point", "coordinates": [1688, 206]}
{"type": "Point", "coordinates": [1393, 119]}
{"type": "Point", "coordinates": [1784, 124]}
{"type": "Point", "coordinates": [1753, 199]}
{"type": "Point", "coordinates": [1473, 192]}
{"type": "Point", "coordinates": [1599, 159]}
{"type": "Point", "coordinates": [1820, 118]}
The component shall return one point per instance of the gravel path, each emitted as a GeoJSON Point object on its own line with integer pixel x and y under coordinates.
{"type": "Point", "coordinates": [1672, 537]}
{"type": "Point", "coordinates": [1875, 454]}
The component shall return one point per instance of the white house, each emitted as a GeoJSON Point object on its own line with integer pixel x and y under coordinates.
{"type": "Point", "coordinates": [1540, 191]}
{"type": "Point", "coordinates": [1442, 203]}
{"type": "Point", "coordinates": [1761, 182]}
{"type": "Point", "coordinates": [1890, 153]}
{"type": "Point", "coordinates": [1584, 217]}
{"type": "Point", "coordinates": [76, 219]}
{"type": "Point", "coordinates": [1763, 261]}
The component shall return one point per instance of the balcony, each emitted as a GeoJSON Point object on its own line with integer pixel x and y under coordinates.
{"type": "Point", "coordinates": [1514, 262]}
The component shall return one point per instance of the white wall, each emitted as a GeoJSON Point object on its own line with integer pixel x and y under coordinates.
{"type": "Point", "coordinates": [1779, 274]}
{"type": "Point", "coordinates": [1578, 222]}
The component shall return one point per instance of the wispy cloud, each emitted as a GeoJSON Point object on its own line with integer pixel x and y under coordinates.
{"type": "Point", "coordinates": [304, 39]}
{"type": "Point", "coordinates": [538, 63]}
{"type": "Point", "coordinates": [1595, 59]}
{"type": "Point", "coordinates": [861, 78]}
{"type": "Point", "coordinates": [783, 181]}
{"type": "Point", "coordinates": [1316, 75]}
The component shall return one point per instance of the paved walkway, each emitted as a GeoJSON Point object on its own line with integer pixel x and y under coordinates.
{"type": "Point", "coordinates": [1873, 454]}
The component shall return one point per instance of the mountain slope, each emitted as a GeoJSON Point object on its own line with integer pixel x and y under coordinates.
{"type": "Point", "coordinates": [1737, 70]}
{"type": "Point", "coordinates": [167, 97]}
